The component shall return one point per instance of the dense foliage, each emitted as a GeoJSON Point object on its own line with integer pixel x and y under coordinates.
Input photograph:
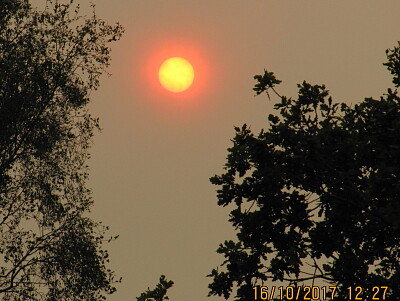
{"type": "Point", "coordinates": [50, 60]}
{"type": "Point", "coordinates": [316, 195]}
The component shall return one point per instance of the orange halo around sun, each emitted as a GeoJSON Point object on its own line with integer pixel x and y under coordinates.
{"type": "Point", "coordinates": [176, 74]}
{"type": "Point", "coordinates": [158, 50]}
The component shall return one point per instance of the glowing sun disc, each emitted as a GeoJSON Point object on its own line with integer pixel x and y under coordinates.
{"type": "Point", "coordinates": [176, 74]}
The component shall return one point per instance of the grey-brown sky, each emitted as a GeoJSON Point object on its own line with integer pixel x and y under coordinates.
{"type": "Point", "coordinates": [150, 165]}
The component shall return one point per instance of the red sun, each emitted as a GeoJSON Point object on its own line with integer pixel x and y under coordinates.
{"type": "Point", "coordinates": [192, 82]}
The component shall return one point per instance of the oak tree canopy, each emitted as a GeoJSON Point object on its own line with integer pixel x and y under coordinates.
{"type": "Point", "coordinates": [314, 196]}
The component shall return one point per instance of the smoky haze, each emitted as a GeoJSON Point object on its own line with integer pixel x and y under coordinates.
{"type": "Point", "coordinates": [151, 164]}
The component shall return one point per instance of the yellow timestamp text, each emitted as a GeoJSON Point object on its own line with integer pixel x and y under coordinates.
{"type": "Point", "coordinates": [353, 293]}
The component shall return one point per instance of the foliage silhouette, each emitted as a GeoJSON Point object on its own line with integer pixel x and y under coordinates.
{"type": "Point", "coordinates": [50, 60]}
{"type": "Point", "coordinates": [316, 195]}
{"type": "Point", "coordinates": [159, 293]}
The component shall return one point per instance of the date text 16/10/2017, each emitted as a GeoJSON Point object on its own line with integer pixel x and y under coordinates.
{"type": "Point", "coordinates": [353, 293]}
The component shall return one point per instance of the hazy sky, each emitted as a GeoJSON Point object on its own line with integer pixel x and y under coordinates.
{"type": "Point", "coordinates": [151, 164]}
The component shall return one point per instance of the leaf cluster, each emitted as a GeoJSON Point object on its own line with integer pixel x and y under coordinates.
{"type": "Point", "coordinates": [159, 293]}
{"type": "Point", "coordinates": [315, 196]}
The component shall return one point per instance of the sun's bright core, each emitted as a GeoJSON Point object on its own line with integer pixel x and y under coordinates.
{"type": "Point", "coordinates": [176, 74]}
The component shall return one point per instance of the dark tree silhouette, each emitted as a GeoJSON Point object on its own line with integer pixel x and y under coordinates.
{"type": "Point", "coordinates": [159, 293]}
{"type": "Point", "coordinates": [316, 196]}
{"type": "Point", "coordinates": [50, 60]}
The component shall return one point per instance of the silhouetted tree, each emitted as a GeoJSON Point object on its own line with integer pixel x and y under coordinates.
{"type": "Point", "coordinates": [50, 60]}
{"type": "Point", "coordinates": [159, 293]}
{"type": "Point", "coordinates": [316, 195]}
